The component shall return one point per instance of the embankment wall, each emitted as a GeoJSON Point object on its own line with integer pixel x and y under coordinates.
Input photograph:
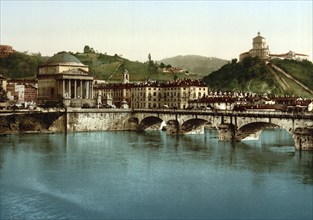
{"type": "Point", "coordinates": [63, 121]}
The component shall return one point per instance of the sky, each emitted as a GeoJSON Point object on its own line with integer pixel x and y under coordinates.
{"type": "Point", "coordinates": [133, 29]}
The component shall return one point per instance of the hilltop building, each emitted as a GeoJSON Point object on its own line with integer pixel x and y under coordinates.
{"type": "Point", "coordinates": [260, 49]}
{"type": "Point", "coordinates": [5, 50]}
{"type": "Point", "coordinates": [63, 78]}
{"type": "Point", "coordinates": [290, 55]}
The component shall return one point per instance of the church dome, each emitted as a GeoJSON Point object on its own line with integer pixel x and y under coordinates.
{"type": "Point", "coordinates": [259, 38]}
{"type": "Point", "coordinates": [63, 58]}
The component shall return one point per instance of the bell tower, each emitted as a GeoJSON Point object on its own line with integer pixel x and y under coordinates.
{"type": "Point", "coordinates": [125, 76]}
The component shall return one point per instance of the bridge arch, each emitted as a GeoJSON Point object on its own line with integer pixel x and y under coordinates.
{"type": "Point", "coordinates": [150, 123]}
{"type": "Point", "coordinates": [232, 123]}
{"type": "Point", "coordinates": [254, 129]}
{"type": "Point", "coordinates": [194, 125]}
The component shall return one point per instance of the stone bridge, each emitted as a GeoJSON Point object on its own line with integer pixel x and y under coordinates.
{"type": "Point", "coordinates": [231, 125]}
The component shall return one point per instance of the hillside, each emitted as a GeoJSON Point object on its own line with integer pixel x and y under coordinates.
{"type": "Point", "coordinates": [253, 75]}
{"type": "Point", "coordinates": [102, 66]}
{"type": "Point", "coordinates": [21, 65]}
{"type": "Point", "coordinates": [198, 65]}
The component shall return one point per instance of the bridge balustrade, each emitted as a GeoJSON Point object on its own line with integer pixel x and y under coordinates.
{"type": "Point", "coordinates": [271, 114]}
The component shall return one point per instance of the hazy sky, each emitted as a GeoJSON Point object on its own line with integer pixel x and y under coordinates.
{"type": "Point", "coordinates": [133, 29]}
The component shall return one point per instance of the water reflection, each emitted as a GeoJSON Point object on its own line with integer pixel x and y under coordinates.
{"type": "Point", "coordinates": [152, 175]}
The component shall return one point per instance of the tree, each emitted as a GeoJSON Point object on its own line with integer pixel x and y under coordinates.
{"type": "Point", "coordinates": [152, 67]}
{"type": "Point", "coordinates": [88, 49]}
{"type": "Point", "coordinates": [149, 57]}
{"type": "Point", "coordinates": [18, 65]}
{"type": "Point", "coordinates": [3, 94]}
{"type": "Point", "coordinates": [234, 61]}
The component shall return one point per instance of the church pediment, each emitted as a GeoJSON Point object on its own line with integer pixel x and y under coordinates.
{"type": "Point", "coordinates": [78, 71]}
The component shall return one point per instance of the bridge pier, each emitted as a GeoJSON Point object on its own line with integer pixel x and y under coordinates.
{"type": "Point", "coordinates": [226, 132]}
{"type": "Point", "coordinates": [303, 138]}
{"type": "Point", "coordinates": [133, 124]}
{"type": "Point", "coordinates": [172, 127]}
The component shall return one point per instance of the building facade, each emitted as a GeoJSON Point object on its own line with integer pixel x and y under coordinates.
{"type": "Point", "coordinates": [3, 82]}
{"type": "Point", "coordinates": [63, 78]}
{"type": "Point", "coordinates": [171, 94]}
{"type": "Point", "coordinates": [22, 91]}
{"type": "Point", "coordinates": [152, 94]}
{"type": "Point", "coordinates": [259, 49]}
{"type": "Point", "coordinates": [114, 94]}
{"type": "Point", "coordinates": [290, 55]}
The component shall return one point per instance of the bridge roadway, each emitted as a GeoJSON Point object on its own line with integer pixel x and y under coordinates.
{"type": "Point", "coordinates": [231, 125]}
{"type": "Point", "coordinates": [253, 113]}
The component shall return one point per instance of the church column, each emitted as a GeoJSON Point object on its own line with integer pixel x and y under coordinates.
{"type": "Point", "coordinates": [69, 88]}
{"type": "Point", "coordinates": [60, 88]}
{"type": "Point", "coordinates": [87, 90]}
{"type": "Point", "coordinates": [75, 89]}
{"type": "Point", "coordinates": [63, 87]}
{"type": "Point", "coordinates": [91, 89]}
{"type": "Point", "coordinates": [81, 89]}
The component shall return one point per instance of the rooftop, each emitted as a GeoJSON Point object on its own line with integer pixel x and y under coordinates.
{"type": "Point", "coordinates": [63, 58]}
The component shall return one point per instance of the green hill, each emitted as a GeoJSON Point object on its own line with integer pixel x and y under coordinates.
{"type": "Point", "coordinates": [281, 77]}
{"type": "Point", "coordinates": [110, 68]}
{"type": "Point", "coordinates": [21, 65]}
{"type": "Point", "coordinates": [300, 70]}
{"type": "Point", "coordinates": [101, 66]}
{"type": "Point", "coordinates": [195, 64]}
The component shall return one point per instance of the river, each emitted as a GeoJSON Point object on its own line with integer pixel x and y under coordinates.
{"type": "Point", "coordinates": [150, 175]}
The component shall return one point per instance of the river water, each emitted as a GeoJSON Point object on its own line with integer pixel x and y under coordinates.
{"type": "Point", "coordinates": [150, 175]}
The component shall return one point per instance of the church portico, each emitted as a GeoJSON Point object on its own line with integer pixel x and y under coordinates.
{"type": "Point", "coordinates": [75, 88]}
{"type": "Point", "coordinates": [68, 79]}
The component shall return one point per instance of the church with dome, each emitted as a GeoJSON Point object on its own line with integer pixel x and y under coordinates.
{"type": "Point", "coordinates": [63, 78]}
{"type": "Point", "coordinates": [260, 49]}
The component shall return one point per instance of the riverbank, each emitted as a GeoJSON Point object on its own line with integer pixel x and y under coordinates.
{"type": "Point", "coordinates": [21, 122]}
{"type": "Point", "coordinates": [63, 120]}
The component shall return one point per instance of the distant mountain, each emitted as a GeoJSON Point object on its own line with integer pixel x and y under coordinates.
{"type": "Point", "coordinates": [279, 77]}
{"type": "Point", "coordinates": [199, 65]}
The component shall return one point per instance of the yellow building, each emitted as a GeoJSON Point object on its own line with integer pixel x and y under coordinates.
{"type": "Point", "coordinates": [150, 94]}
{"type": "Point", "coordinates": [63, 78]}
{"type": "Point", "coordinates": [171, 94]}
